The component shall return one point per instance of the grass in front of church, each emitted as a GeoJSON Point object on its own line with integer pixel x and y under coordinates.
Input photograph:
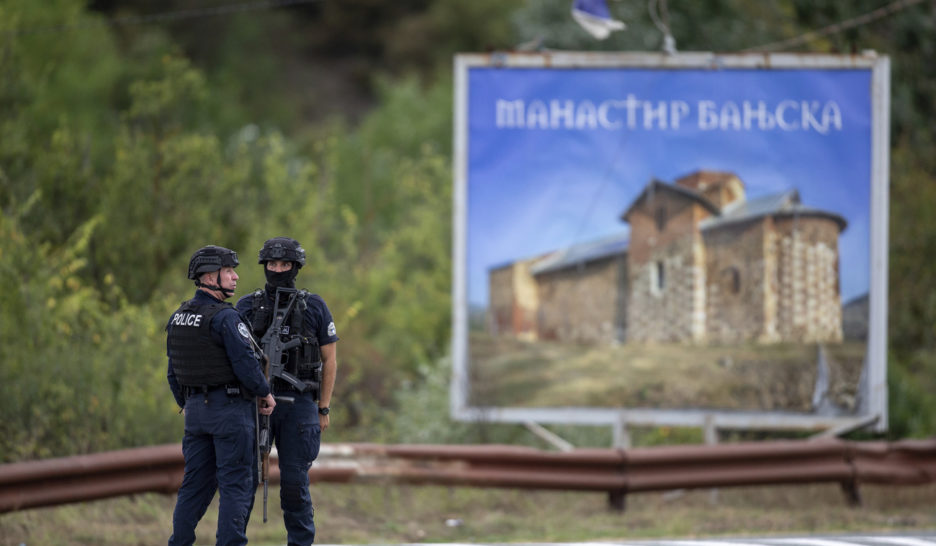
{"type": "Point", "coordinates": [507, 372]}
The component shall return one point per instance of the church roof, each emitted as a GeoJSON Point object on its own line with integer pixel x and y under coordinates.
{"type": "Point", "coordinates": [779, 204]}
{"type": "Point", "coordinates": [659, 186]}
{"type": "Point", "coordinates": [582, 253]}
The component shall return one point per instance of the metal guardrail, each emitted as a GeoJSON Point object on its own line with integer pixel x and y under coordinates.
{"type": "Point", "coordinates": [615, 471]}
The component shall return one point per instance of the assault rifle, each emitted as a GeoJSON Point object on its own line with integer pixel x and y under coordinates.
{"type": "Point", "coordinates": [274, 348]}
{"type": "Point", "coordinates": [275, 355]}
{"type": "Point", "coordinates": [264, 438]}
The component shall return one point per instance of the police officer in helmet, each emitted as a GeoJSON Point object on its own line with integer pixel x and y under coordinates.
{"type": "Point", "coordinates": [296, 427]}
{"type": "Point", "coordinates": [215, 376]}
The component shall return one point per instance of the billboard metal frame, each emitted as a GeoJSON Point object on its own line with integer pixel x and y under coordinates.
{"type": "Point", "coordinates": [875, 383]}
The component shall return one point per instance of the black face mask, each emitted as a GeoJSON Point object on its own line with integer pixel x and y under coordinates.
{"type": "Point", "coordinates": [283, 279]}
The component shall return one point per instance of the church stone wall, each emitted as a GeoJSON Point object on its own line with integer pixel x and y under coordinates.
{"type": "Point", "coordinates": [809, 307]}
{"type": "Point", "coordinates": [671, 309]}
{"type": "Point", "coordinates": [513, 301]}
{"type": "Point", "coordinates": [737, 272]}
{"type": "Point", "coordinates": [585, 303]}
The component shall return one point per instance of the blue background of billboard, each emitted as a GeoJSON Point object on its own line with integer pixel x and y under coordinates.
{"type": "Point", "coordinates": [532, 191]}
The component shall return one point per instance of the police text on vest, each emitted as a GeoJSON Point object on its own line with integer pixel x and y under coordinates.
{"type": "Point", "coordinates": [186, 319]}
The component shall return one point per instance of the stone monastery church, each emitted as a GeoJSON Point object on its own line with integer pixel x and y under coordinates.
{"type": "Point", "coordinates": [702, 264]}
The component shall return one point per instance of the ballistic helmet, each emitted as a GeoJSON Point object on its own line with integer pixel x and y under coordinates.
{"type": "Point", "coordinates": [284, 249]}
{"type": "Point", "coordinates": [210, 258]}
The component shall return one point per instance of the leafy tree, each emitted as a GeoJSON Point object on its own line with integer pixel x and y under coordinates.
{"type": "Point", "coordinates": [160, 163]}
{"type": "Point", "coordinates": [77, 375]}
{"type": "Point", "coordinates": [48, 95]}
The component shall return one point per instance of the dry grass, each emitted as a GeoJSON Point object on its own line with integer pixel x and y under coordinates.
{"type": "Point", "coordinates": [778, 377]}
{"type": "Point", "coordinates": [370, 514]}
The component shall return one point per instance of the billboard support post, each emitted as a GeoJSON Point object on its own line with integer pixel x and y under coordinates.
{"type": "Point", "coordinates": [620, 433]}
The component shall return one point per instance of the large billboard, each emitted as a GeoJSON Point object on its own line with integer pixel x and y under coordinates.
{"type": "Point", "coordinates": [651, 239]}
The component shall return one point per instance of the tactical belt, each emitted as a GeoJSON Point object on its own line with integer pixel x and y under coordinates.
{"type": "Point", "coordinates": [230, 390]}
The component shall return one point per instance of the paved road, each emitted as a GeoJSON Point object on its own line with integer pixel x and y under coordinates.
{"type": "Point", "coordinates": [843, 540]}
{"type": "Point", "coordinates": [926, 539]}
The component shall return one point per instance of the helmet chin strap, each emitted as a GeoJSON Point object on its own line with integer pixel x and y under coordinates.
{"type": "Point", "coordinates": [217, 288]}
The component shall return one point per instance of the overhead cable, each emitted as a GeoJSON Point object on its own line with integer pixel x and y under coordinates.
{"type": "Point", "coordinates": [860, 20]}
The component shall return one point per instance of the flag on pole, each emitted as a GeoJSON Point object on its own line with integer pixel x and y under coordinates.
{"type": "Point", "coordinates": [595, 18]}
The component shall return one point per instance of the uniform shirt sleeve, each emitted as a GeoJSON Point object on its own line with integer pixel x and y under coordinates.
{"type": "Point", "coordinates": [228, 328]}
{"type": "Point", "coordinates": [318, 315]}
{"type": "Point", "coordinates": [245, 307]}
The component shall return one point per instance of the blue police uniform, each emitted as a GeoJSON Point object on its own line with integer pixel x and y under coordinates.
{"type": "Point", "coordinates": [295, 427]}
{"type": "Point", "coordinates": [220, 428]}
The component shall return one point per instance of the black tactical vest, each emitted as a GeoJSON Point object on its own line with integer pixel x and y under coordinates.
{"type": "Point", "coordinates": [197, 359]}
{"type": "Point", "coordinates": [303, 361]}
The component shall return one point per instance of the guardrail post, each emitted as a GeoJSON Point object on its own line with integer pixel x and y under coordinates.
{"type": "Point", "coordinates": [852, 494]}
{"type": "Point", "coordinates": [617, 500]}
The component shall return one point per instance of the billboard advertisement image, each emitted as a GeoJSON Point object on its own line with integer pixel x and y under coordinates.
{"type": "Point", "coordinates": [671, 239]}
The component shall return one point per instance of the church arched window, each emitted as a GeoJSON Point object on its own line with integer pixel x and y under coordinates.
{"type": "Point", "coordinates": [657, 278]}
{"type": "Point", "coordinates": [731, 280]}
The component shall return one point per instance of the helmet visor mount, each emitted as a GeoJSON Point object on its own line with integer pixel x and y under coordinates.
{"type": "Point", "coordinates": [282, 249]}
{"type": "Point", "coordinates": [211, 258]}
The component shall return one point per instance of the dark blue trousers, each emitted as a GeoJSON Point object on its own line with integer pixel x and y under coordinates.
{"type": "Point", "coordinates": [219, 456]}
{"type": "Point", "coordinates": [297, 436]}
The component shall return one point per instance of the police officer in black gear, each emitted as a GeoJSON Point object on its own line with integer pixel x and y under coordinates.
{"type": "Point", "coordinates": [215, 376]}
{"type": "Point", "coordinates": [297, 427]}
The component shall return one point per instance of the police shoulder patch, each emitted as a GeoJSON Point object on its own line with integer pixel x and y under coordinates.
{"type": "Point", "coordinates": [331, 329]}
{"type": "Point", "coordinates": [242, 329]}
